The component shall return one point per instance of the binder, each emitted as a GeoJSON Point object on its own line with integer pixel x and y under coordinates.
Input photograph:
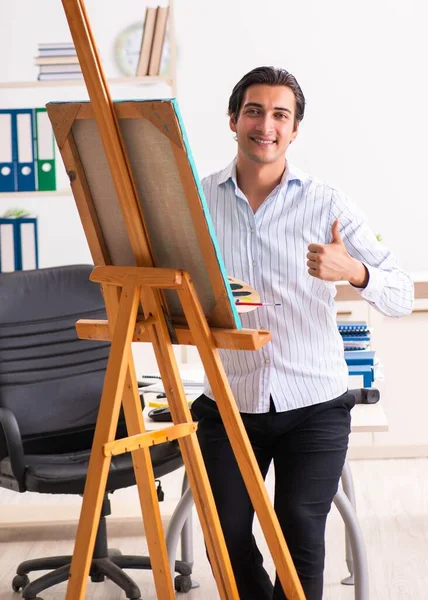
{"type": "Point", "coordinates": [19, 248]}
{"type": "Point", "coordinates": [29, 243]}
{"type": "Point", "coordinates": [45, 152]}
{"type": "Point", "coordinates": [7, 164]}
{"type": "Point", "coordinates": [363, 357]}
{"type": "Point", "coordinates": [366, 371]}
{"type": "Point", "coordinates": [24, 149]}
{"type": "Point", "coordinates": [352, 326]}
{"type": "Point", "coordinates": [7, 246]}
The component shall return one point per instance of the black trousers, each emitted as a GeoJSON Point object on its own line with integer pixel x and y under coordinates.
{"type": "Point", "coordinates": [308, 448]}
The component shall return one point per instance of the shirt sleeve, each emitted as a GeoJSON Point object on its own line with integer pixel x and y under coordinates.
{"type": "Point", "coordinates": [390, 290]}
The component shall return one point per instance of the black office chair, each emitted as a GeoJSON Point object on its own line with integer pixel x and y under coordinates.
{"type": "Point", "coordinates": [50, 388]}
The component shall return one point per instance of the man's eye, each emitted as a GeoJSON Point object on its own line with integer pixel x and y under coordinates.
{"type": "Point", "coordinates": [282, 116]}
{"type": "Point", "coordinates": [252, 111]}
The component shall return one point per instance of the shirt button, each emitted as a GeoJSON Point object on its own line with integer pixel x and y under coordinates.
{"type": "Point", "coordinates": [254, 263]}
{"type": "Point", "coordinates": [252, 229]}
{"type": "Point", "coordinates": [267, 360]}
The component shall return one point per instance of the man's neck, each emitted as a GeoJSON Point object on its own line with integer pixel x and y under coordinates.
{"type": "Point", "coordinates": [257, 181]}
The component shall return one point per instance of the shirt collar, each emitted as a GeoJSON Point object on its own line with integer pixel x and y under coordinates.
{"type": "Point", "coordinates": [291, 173]}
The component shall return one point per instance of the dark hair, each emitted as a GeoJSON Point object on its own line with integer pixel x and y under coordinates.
{"type": "Point", "coordinates": [267, 76]}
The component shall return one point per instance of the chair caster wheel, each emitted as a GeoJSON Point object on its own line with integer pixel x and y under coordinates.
{"type": "Point", "coordinates": [183, 583]}
{"type": "Point", "coordinates": [19, 582]}
{"type": "Point", "coordinates": [97, 577]}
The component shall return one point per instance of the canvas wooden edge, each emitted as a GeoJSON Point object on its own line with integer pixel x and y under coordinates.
{"type": "Point", "coordinates": [62, 117]}
{"type": "Point", "coordinates": [160, 114]}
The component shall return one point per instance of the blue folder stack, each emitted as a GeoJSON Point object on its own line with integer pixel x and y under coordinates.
{"type": "Point", "coordinates": [355, 335]}
{"type": "Point", "coordinates": [356, 341]}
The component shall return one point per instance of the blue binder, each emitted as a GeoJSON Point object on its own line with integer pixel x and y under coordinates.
{"type": "Point", "coordinates": [366, 371]}
{"type": "Point", "coordinates": [7, 163]}
{"type": "Point", "coordinates": [360, 357]}
{"type": "Point", "coordinates": [24, 150]}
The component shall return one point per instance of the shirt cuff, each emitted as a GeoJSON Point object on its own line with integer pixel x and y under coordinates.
{"type": "Point", "coordinates": [374, 286]}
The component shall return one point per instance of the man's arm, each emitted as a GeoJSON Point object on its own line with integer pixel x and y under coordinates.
{"type": "Point", "coordinates": [355, 255]}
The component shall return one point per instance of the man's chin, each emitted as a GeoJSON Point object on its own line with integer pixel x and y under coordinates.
{"type": "Point", "coordinates": [264, 160]}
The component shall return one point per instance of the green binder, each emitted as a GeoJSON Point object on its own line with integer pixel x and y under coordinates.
{"type": "Point", "coordinates": [45, 151]}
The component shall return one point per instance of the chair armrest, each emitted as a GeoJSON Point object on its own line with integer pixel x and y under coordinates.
{"type": "Point", "coordinates": [9, 430]}
{"type": "Point", "coordinates": [365, 395]}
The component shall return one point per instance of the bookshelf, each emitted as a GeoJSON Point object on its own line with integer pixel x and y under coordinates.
{"type": "Point", "coordinates": [12, 195]}
{"type": "Point", "coordinates": [169, 79]}
{"type": "Point", "coordinates": [61, 238]}
{"type": "Point", "coordinates": [79, 82]}
{"type": "Point", "coordinates": [123, 86]}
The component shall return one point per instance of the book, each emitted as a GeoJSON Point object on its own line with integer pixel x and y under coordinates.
{"type": "Point", "coordinates": [158, 40]}
{"type": "Point", "coordinates": [146, 42]}
{"type": "Point", "coordinates": [54, 60]}
{"type": "Point", "coordinates": [59, 68]}
{"type": "Point", "coordinates": [60, 76]}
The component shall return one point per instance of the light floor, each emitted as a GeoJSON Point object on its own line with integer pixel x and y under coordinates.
{"type": "Point", "coordinates": [392, 501]}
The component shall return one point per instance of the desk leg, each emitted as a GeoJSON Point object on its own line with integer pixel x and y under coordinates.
{"type": "Point", "coordinates": [177, 523]}
{"type": "Point", "coordinates": [348, 488]}
{"type": "Point", "coordinates": [356, 540]}
{"type": "Point", "coordinates": [187, 531]}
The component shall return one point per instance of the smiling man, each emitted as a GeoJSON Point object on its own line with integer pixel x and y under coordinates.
{"type": "Point", "coordinates": [291, 237]}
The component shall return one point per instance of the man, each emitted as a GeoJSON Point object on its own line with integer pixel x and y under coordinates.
{"type": "Point", "coordinates": [290, 237]}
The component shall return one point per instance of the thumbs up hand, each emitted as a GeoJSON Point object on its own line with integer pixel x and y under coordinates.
{"type": "Point", "coordinates": [332, 262]}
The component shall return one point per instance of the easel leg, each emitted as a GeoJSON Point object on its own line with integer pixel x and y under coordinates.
{"type": "Point", "coordinates": [105, 431]}
{"type": "Point", "coordinates": [239, 441]}
{"type": "Point", "coordinates": [143, 468]}
{"type": "Point", "coordinates": [194, 464]}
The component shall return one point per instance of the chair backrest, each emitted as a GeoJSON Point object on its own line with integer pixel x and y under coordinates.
{"type": "Point", "coordinates": [49, 379]}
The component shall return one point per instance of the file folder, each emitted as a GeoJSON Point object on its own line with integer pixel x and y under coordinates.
{"type": "Point", "coordinates": [19, 247]}
{"type": "Point", "coordinates": [366, 371]}
{"type": "Point", "coordinates": [7, 246]}
{"type": "Point", "coordinates": [7, 164]}
{"type": "Point", "coordinates": [356, 357]}
{"type": "Point", "coordinates": [24, 149]}
{"type": "Point", "coordinates": [45, 152]}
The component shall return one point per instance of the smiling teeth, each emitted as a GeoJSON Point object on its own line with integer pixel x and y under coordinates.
{"type": "Point", "coordinates": [263, 141]}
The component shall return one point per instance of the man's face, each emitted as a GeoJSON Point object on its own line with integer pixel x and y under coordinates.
{"type": "Point", "coordinates": [265, 125]}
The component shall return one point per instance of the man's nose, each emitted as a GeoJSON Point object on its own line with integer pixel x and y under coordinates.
{"type": "Point", "coordinates": [266, 124]}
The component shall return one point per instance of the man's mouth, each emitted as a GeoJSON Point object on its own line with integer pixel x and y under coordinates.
{"type": "Point", "coordinates": [262, 141]}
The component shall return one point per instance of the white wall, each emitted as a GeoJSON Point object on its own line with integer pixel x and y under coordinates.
{"type": "Point", "coordinates": [362, 67]}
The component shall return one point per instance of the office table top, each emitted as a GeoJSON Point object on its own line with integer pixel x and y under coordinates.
{"type": "Point", "coordinates": [365, 418]}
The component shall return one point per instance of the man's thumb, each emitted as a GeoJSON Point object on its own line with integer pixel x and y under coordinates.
{"type": "Point", "coordinates": [335, 232]}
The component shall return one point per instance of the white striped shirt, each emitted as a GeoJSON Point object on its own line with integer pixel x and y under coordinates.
{"type": "Point", "coordinates": [304, 362]}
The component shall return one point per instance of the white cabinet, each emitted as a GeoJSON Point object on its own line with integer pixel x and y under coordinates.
{"type": "Point", "coordinates": [400, 344]}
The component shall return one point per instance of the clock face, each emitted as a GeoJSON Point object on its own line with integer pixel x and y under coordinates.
{"type": "Point", "coordinates": [127, 48]}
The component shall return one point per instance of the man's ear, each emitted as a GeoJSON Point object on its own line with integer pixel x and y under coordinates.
{"type": "Point", "coordinates": [232, 123]}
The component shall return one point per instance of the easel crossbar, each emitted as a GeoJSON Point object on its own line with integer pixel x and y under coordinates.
{"type": "Point", "coordinates": [149, 438]}
{"type": "Point", "coordinates": [228, 339]}
{"type": "Point", "coordinates": [152, 277]}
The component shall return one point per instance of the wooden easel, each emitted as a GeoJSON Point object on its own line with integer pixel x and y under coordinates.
{"type": "Point", "coordinates": [124, 288]}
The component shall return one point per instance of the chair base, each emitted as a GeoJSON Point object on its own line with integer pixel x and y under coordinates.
{"type": "Point", "coordinates": [110, 567]}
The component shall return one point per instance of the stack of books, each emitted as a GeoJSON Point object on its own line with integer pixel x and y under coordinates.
{"type": "Point", "coordinates": [361, 361]}
{"type": "Point", "coordinates": [58, 62]}
{"type": "Point", "coordinates": [153, 41]}
{"type": "Point", "coordinates": [355, 335]}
